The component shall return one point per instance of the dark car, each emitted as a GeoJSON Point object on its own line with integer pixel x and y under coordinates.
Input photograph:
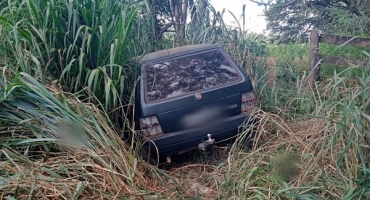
{"type": "Point", "coordinates": [190, 97]}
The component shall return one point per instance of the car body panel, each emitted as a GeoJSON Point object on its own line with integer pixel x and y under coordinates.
{"type": "Point", "coordinates": [188, 117]}
{"type": "Point", "coordinates": [189, 138]}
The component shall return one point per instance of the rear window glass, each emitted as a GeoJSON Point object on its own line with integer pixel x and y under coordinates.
{"type": "Point", "coordinates": [183, 75]}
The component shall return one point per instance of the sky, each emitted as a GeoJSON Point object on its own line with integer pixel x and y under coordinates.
{"type": "Point", "coordinates": [255, 22]}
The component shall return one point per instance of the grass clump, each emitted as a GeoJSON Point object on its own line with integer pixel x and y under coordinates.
{"type": "Point", "coordinates": [80, 44]}
{"type": "Point", "coordinates": [55, 146]}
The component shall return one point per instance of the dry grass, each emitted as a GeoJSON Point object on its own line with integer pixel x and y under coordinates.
{"type": "Point", "coordinates": [289, 157]}
{"type": "Point", "coordinates": [285, 152]}
{"type": "Point", "coordinates": [68, 150]}
{"type": "Point", "coordinates": [72, 174]}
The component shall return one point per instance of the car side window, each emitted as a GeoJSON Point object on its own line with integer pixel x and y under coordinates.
{"type": "Point", "coordinates": [187, 74]}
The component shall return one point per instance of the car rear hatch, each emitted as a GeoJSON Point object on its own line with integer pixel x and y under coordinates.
{"type": "Point", "coordinates": [191, 90]}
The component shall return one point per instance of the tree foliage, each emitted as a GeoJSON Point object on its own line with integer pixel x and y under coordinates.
{"type": "Point", "coordinates": [291, 19]}
{"type": "Point", "coordinates": [170, 16]}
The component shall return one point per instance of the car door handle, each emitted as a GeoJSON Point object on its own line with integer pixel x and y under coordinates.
{"type": "Point", "coordinates": [231, 107]}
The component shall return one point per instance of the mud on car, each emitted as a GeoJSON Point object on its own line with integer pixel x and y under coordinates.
{"type": "Point", "coordinates": [189, 97]}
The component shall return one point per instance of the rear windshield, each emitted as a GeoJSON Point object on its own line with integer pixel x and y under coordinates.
{"type": "Point", "coordinates": [183, 75]}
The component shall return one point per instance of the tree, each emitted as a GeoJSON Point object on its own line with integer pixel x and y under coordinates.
{"type": "Point", "coordinates": [166, 14]}
{"type": "Point", "coordinates": [289, 20]}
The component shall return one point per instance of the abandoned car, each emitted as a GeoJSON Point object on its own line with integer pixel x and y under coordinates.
{"type": "Point", "coordinates": [189, 97]}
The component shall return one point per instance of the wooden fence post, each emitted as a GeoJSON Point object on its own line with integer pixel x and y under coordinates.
{"type": "Point", "coordinates": [314, 58]}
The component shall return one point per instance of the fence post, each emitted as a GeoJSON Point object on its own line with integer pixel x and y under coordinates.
{"type": "Point", "coordinates": [314, 58]}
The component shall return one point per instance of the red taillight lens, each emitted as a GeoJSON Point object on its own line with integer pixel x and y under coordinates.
{"type": "Point", "coordinates": [248, 101]}
{"type": "Point", "coordinates": [150, 126]}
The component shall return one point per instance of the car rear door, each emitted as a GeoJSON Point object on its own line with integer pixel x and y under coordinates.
{"type": "Point", "coordinates": [193, 90]}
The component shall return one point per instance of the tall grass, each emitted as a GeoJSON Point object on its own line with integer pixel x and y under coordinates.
{"type": "Point", "coordinates": [207, 26]}
{"type": "Point", "coordinates": [55, 146]}
{"type": "Point", "coordinates": [81, 44]}
{"type": "Point", "coordinates": [310, 144]}
{"type": "Point", "coordinates": [314, 147]}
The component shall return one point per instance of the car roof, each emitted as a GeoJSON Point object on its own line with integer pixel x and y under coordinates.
{"type": "Point", "coordinates": [176, 51]}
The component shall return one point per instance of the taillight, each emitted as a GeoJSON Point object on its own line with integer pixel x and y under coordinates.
{"type": "Point", "coordinates": [248, 101]}
{"type": "Point", "coordinates": [150, 125]}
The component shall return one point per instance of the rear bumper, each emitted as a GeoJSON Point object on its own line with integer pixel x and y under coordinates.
{"type": "Point", "coordinates": [174, 142]}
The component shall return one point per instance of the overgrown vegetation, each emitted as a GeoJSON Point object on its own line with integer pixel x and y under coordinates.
{"type": "Point", "coordinates": [66, 90]}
